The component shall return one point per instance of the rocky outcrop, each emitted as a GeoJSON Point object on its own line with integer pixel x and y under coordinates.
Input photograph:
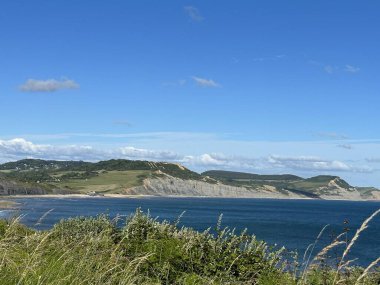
{"type": "Point", "coordinates": [171, 186]}
{"type": "Point", "coordinates": [12, 188]}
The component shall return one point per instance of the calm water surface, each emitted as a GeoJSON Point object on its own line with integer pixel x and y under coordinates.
{"type": "Point", "coordinates": [290, 223]}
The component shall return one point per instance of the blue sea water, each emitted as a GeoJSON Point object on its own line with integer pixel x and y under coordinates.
{"type": "Point", "coordinates": [291, 223]}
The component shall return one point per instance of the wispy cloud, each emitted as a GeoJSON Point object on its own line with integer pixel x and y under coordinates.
{"type": "Point", "coordinates": [123, 123]}
{"type": "Point", "coordinates": [270, 58]}
{"type": "Point", "coordinates": [351, 69]}
{"type": "Point", "coordinates": [310, 163]}
{"type": "Point", "coordinates": [330, 68]}
{"type": "Point", "coordinates": [332, 135]}
{"type": "Point", "coordinates": [205, 82]}
{"type": "Point", "coordinates": [345, 146]}
{"type": "Point", "coordinates": [373, 159]}
{"type": "Point", "coordinates": [147, 136]}
{"type": "Point", "coordinates": [49, 85]}
{"type": "Point", "coordinates": [193, 13]}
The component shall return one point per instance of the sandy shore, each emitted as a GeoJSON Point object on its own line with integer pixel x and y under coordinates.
{"type": "Point", "coordinates": [65, 196]}
{"type": "Point", "coordinates": [127, 196]}
{"type": "Point", "coordinates": [6, 204]}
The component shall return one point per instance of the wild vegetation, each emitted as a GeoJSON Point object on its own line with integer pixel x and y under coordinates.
{"type": "Point", "coordinates": [143, 250]}
{"type": "Point", "coordinates": [112, 176]}
{"type": "Point", "coordinates": [284, 181]}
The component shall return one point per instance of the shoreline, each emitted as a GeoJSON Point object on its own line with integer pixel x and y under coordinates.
{"type": "Point", "coordinates": [127, 196]}
{"type": "Point", "coordinates": [8, 205]}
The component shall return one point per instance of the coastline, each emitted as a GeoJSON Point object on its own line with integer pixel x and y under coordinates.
{"type": "Point", "coordinates": [128, 196]}
{"type": "Point", "coordinates": [8, 205]}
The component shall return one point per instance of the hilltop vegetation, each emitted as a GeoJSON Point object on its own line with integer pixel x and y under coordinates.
{"type": "Point", "coordinates": [232, 175]}
{"type": "Point", "coordinates": [145, 251]}
{"type": "Point", "coordinates": [119, 176]}
{"type": "Point", "coordinates": [46, 167]}
{"type": "Point", "coordinates": [112, 176]}
{"type": "Point", "coordinates": [314, 187]}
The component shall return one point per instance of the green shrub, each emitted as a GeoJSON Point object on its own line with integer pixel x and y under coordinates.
{"type": "Point", "coordinates": [88, 250]}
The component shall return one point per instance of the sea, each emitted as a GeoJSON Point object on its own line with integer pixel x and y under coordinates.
{"type": "Point", "coordinates": [294, 224]}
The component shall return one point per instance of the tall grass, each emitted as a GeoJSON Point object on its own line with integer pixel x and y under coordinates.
{"type": "Point", "coordinates": [145, 251]}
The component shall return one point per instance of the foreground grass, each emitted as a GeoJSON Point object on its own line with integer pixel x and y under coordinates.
{"type": "Point", "coordinates": [145, 251]}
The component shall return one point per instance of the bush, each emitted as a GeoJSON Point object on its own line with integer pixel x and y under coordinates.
{"type": "Point", "coordinates": [144, 251]}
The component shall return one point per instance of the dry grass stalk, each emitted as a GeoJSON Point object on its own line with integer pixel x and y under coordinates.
{"type": "Point", "coordinates": [311, 247]}
{"type": "Point", "coordinates": [358, 232]}
{"type": "Point", "coordinates": [326, 249]}
{"type": "Point", "coordinates": [363, 227]}
{"type": "Point", "coordinates": [39, 222]}
{"type": "Point", "coordinates": [365, 272]}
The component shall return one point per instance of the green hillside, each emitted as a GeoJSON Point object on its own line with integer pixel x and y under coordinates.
{"type": "Point", "coordinates": [231, 175]}
{"type": "Point", "coordinates": [115, 176]}
{"type": "Point", "coordinates": [41, 169]}
{"type": "Point", "coordinates": [112, 176]}
{"type": "Point", "coordinates": [310, 187]}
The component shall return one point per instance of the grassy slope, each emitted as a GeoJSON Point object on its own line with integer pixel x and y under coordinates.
{"type": "Point", "coordinates": [106, 182]}
{"type": "Point", "coordinates": [221, 174]}
{"type": "Point", "coordinates": [112, 176]}
{"type": "Point", "coordinates": [144, 251]}
{"type": "Point", "coordinates": [292, 183]}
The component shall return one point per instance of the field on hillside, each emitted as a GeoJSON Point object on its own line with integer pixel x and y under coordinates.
{"type": "Point", "coordinates": [112, 182]}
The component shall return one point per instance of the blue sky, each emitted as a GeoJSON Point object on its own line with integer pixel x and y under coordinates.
{"type": "Point", "coordinates": [259, 86]}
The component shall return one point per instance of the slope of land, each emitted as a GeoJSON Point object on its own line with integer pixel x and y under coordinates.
{"type": "Point", "coordinates": [128, 177]}
{"type": "Point", "coordinates": [97, 250]}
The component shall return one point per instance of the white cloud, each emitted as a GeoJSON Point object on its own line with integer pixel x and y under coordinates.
{"type": "Point", "coordinates": [310, 163]}
{"type": "Point", "coordinates": [138, 153]}
{"type": "Point", "coordinates": [205, 160]}
{"type": "Point", "coordinates": [351, 69]}
{"type": "Point", "coordinates": [223, 161]}
{"type": "Point", "coordinates": [49, 85]}
{"type": "Point", "coordinates": [205, 82]}
{"type": "Point", "coordinates": [193, 13]}
{"type": "Point", "coordinates": [20, 148]}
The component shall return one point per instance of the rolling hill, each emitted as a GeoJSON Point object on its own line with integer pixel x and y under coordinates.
{"type": "Point", "coordinates": [128, 177]}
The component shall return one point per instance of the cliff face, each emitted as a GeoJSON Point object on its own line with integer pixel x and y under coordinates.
{"type": "Point", "coordinates": [171, 186]}
{"type": "Point", "coordinates": [336, 189]}
{"type": "Point", "coordinates": [12, 188]}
